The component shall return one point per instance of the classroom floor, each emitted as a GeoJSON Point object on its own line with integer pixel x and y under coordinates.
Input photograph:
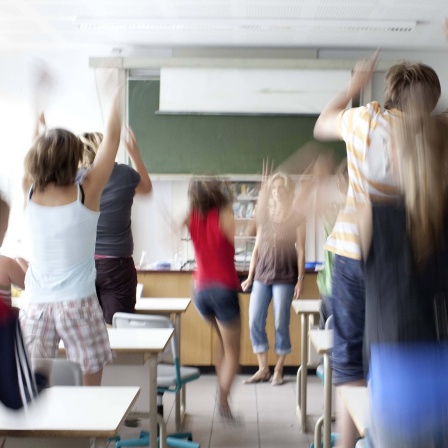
{"type": "Point", "coordinates": [267, 414]}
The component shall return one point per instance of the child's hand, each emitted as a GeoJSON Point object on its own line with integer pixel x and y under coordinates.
{"type": "Point", "coordinates": [130, 142]}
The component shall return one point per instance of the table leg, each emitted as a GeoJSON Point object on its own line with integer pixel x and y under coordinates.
{"type": "Point", "coordinates": [327, 401]}
{"type": "Point", "coordinates": [162, 431]}
{"type": "Point", "coordinates": [304, 371]}
{"type": "Point", "coordinates": [98, 443]}
{"type": "Point", "coordinates": [179, 401]}
{"type": "Point", "coordinates": [152, 400]}
{"type": "Point", "coordinates": [318, 431]}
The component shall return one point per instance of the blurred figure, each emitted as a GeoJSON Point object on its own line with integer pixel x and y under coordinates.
{"type": "Point", "coordinates": [331, 196]}
{"type": "Point", "coordinates": [407, 288]}
{"type": "Point", "coordinates": [61, 217]}
{"type": "Point", "coordinates": [11, 272]}
{"type": "Point", "coordinates": [325, 195]}
{"type": "Point", "coordinates": [18, 384]}
{"type": "Point", "coordinates": [366, 131]}
{"type": "Point", "coordinates": [116, 276]}
{"type": "Point", "coordinates": [276, 272]}
{"type": "Point", "coordinates": [212, 228]}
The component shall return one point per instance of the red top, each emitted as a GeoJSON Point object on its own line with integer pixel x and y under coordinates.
{"type": "Point", "coordinates": [215, 255]}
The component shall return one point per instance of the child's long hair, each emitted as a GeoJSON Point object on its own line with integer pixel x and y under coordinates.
{"type": "Point", "coordinates": [209, 192]}
{"type": "Point", "coordinates": [91, 141]}
{"type": "Point", "coordinates": [401, 80]}
{"type": "Point", "coordinates": [53, 158]}
{"type": "Point", "coordinates": [421, 147]}
{"type": "Point", "coordinates": [290, 187]}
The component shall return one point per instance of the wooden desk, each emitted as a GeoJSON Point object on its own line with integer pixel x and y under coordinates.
{"type": "Point", "coordinates": [356, 400]}
{"type": "Point", "coordinates": [78, 413]}
{"type": "Point", "coordinates": [304, 308]}
{"type": "Point", "coordinates": [176, 307]}
{"type": "Point", "coordinates": [322, 340]}
{"type": "Point", "coordinates": [149, 342]}
{"type": "Point", "coordinates": [198, 337]}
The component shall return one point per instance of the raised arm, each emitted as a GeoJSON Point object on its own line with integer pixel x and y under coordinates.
{"type": "Point", "coordinates": [326, 127]}
{"type": "Point", "coordinates": [145, 184]}
{"type": "Point", "coordinates": [98, 174]}
{"type": "Point", "coordinates": [40, 124]}
{"type": "Point", "coordinates": [42, 85]}
{"type": "Point", "coordinates": [263, 195]}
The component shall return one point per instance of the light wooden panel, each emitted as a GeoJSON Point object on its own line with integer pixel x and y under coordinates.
{"type": "Point", "coordinates": [196, 335]}
{"type": "Point", "coordinates": [247, 357]}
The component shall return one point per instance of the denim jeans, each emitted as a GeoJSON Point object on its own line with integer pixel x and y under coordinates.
{"type": "Point", "coordinates": [260, 298]}
{"type": "Point", "coordinates": [348, 308]}
{"type": "Point", "coordinates": [408, 385]}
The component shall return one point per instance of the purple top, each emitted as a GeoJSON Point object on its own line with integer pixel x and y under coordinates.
{"type": "Point", "coordinates": [114, 235]}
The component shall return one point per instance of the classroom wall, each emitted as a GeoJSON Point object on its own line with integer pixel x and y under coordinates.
{"type": "Point", "coordinates": [437, 60]}
{"type": "Point", "coordinates": [150, 228]}
{"type": "Point", "coordinates": [74, 104]}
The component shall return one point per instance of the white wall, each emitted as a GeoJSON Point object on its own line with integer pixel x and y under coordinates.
{"type": "Point", "coordinates": [156, 222]}
{"type": "Point", "coordinates": [74, 105]}
{"type": "Point", "coordinates": [159, 245]}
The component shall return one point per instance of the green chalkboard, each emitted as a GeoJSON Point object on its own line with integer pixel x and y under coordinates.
{"type": "Point", "coordinates": [222, 144]}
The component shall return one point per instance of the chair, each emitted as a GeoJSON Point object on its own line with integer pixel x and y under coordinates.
{"type": "Point", "coordinates": [139, 290]}
{"type": "Point", "coordinates": [320, 367]}
{"type": "Point", "coordinates": [66, 373]}
{"type": "Point", "coordinates": [321, 376]}
{"type": "Point", "coordinates": [171, 377]}
{"type": "Point", "coordinates": [60, 371]}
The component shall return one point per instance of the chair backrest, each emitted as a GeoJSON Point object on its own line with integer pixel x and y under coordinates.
{"type": "Point", "coordinates": [139, 291]}
{"type": "Point", "coordinates": [60, 371]}
{"type": "Point", "coordinates": [329, 323]}
{"type": "Point", "coordinates": [66, 373]}
{"type": "Point", "coordinates": [130, 320]}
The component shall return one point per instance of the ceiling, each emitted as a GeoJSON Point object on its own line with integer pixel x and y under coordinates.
{"type": "Point", "coordinates": [395, 24]}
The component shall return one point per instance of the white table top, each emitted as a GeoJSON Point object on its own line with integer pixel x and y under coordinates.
{"type": "Point", "coordinates": [302, 306]}
{"type": "Point", "coordinates": [135, 340]}
{"type": "Point", "coordinates": [356, 400]}
{"type": "Point", "coordinates": [71, 412]}
{"type": "Point", "coordinates": [162, 305]}
{"type": "Point", "coordinates": [139, 339]}
{"type": "Point", "coordinates": [322, 340]}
